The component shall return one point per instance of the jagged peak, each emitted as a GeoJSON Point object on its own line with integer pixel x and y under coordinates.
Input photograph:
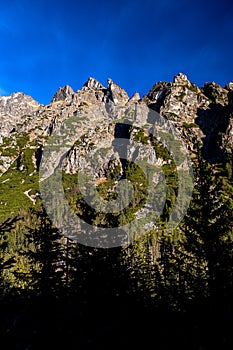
{"type": "Point", "coordinates": [158, 91]}
{"type": "Point", "coordinates": [215, 92]}
{"type": "Point", "coordinates": [17, 104]}
{"type": "Point", "coordinates": [229, 86]}
{"type": "Point", "coordinates": [92, 84]}
{"type": "Point", "coordinates": [111, 84]}
{"type": "Point", "coordinates": [16, 95]}
{"type": "Point", "coordinates": [117, 93]}
{"type": "Point", "coordinates": [213, 84]}
{"type": "Point", "coordinates": [136, 97]}
{"type": "Point", "coordinates": [181, 78]}
{"type": "Point", "coordinates": [65, 93]}
{"type": "Point", "coordinates": [110, 81]}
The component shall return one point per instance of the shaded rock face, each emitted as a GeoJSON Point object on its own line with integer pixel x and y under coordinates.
{"type": "Point", "coordinates": [230, 98]}
{"type": "Point", "coordinates": [216, 93]}
{"type": "Point", "coordinates": [157, 95]}
{"type": "Point", "coordinates": [199, 114]}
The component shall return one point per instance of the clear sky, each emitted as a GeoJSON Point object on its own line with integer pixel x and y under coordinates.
{"type": "Point", "coordinates": [47, 44]}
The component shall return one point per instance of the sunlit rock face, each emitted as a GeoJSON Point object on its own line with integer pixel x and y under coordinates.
{"type": "Point", "coordinates": [199, 114]}
{"type": "Point", "coordinates": [65, 93]}
{"type": "Point", "coordinates": [17, 104]}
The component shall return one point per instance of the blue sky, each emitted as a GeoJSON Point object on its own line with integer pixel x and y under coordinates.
{"type": "Point", "coordinates": [48, 44]}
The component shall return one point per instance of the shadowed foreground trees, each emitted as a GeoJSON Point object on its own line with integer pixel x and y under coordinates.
{"type": "Point", "coordinates": [174, 290]}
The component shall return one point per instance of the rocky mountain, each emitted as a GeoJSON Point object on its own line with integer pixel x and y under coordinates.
{"type": "Point", "coordinates": [89, 121]}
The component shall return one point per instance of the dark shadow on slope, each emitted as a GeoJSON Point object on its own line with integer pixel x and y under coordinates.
{"type": "Point", "coordinates": [213, 122]}
{"type": "Point", "coordinates": [38, 156]}
{"type": "Point", "coordinates": [122, 131]}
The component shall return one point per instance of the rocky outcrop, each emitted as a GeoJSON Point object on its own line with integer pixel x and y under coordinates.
{"type": "Point", "coordinates": [15, 109]}
{"type": "Point", "coordinates": [65, 93]}
{"type": "Point", "coordinates": [17, 105]}
{"type": "Point", "coordinates": [230, 97]}
{"type": "Point", "coordinates": [116, 93]}
{"type": "Point", "coordinates": [199, 114]}
{"type": "Point", "coordinates": [135, 98]}
{"type": "Point", "coordinates": [92, 84]}
{"type": "Point", "coordinates": [216, 93]}
{"type": "Point", "coordinates": [94, 130]}
{"type": "Point", "coordinates": [157, 94]}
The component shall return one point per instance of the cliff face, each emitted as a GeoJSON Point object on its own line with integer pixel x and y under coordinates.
{"type": "Point", "coordinates": [203, 114]}
{"type": "Point", "coordinates": [100, 115]}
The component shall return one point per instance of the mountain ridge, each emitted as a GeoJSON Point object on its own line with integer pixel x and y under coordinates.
{"type": "Point", "coordinates": [201, 116]}
{"type": "Point", "coordinates": [178, 100]}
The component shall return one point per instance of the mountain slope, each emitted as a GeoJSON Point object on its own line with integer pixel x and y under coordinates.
{"type": "Point", "coordinates": [102, 114]}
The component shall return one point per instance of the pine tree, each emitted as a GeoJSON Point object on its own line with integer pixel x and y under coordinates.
{"type": "Point", "coordinates": [207, 225]}
{"type": "Point", "coordinates": [47, 258]}
{"type": "Point", "coordinates": [7, 259]}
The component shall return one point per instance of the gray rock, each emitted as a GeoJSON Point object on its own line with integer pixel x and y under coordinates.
{"type": "Point", "coordinates": [198, 114]}
{"type": "Point", "coordinates": [92, 84]}
{"type": "Point", "coordinates": [65, 93]}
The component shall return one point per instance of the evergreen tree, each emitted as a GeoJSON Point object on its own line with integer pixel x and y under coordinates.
{"type": "Point", "coordinates": [47, 258]}
{"type": "Point", "coordinates": [208, 228]}
{"type": "Point", "coordinates": [7, 259]}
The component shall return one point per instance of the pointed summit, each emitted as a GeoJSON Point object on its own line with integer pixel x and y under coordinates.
{"type": "Point", "coordinates": [135, 98]}
{"type": "Point", "coordinates": [92, 84]}
{"type": "Point", "coordinates": [181, 78]}
{"type": "Point", "coordinates": [65, 93]}
{"type": "Point", "coordinates": [118, 95]}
